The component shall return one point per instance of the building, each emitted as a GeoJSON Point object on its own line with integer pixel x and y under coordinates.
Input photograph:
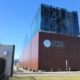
{"type": "Point", "coordinates": [59, 20]}
{"type": "Point", "coordinates": [54, 43]}
{"type": "Point", "coordinates": [55, 20]}
{"type": "Point", "coordinates": [59, 48]}
{"type": "Point", "coordinates": [7, 55]}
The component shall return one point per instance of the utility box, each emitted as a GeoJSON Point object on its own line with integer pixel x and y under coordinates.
{"type": "Point", "coordinates": [6, 59]}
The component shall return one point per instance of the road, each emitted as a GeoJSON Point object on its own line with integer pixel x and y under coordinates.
{"type": "Point", "coordinates": [24, 74]}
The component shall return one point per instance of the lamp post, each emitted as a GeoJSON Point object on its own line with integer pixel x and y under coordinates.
{"type": "Point", "coordinates": [66, 65]}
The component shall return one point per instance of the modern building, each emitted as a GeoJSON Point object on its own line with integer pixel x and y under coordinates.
{"type": "Point", "coordinates": [7, 58]}
{"type": "Point", "coordinates": [54, 42]}
{"type": "Point", "coordinates": [59, 20]}
{"type": "Point", "coordinates": [55, 20]}
{"type": "Point", "coordinates": [49, 51]}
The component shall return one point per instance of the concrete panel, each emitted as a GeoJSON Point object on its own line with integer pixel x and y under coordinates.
{"type": "Point", "coordinates": [7, 52]}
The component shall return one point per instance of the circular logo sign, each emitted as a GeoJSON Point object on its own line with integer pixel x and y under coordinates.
{"type": "Point", "coordinates": [47, 43]}
{"type": "Point", "coordinates": [5, 52]}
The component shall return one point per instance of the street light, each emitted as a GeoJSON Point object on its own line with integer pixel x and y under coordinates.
{"type": "Point", "coordinates": [66, 65]}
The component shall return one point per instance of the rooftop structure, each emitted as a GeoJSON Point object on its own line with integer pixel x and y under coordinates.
{"type": "Point", "coordinates": [56, 20]}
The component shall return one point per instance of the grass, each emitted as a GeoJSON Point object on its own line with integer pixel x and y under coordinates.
{"type": "Point", "coordinates": [47, 78]}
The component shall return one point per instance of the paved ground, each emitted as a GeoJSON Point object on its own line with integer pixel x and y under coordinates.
{"type": "Point", "coordinates": [23, 74]}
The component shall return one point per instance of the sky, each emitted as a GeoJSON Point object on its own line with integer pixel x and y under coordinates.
{"type": "Point", "coordinates": [16, 17]}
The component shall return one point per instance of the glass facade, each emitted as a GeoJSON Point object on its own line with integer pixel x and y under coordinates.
{"type": "Point", "coordinates": [34, 28]}
{"type": "Point", "coordinates": [54, 20]}
{"type": "Point", "coordinates": [59, 20]}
